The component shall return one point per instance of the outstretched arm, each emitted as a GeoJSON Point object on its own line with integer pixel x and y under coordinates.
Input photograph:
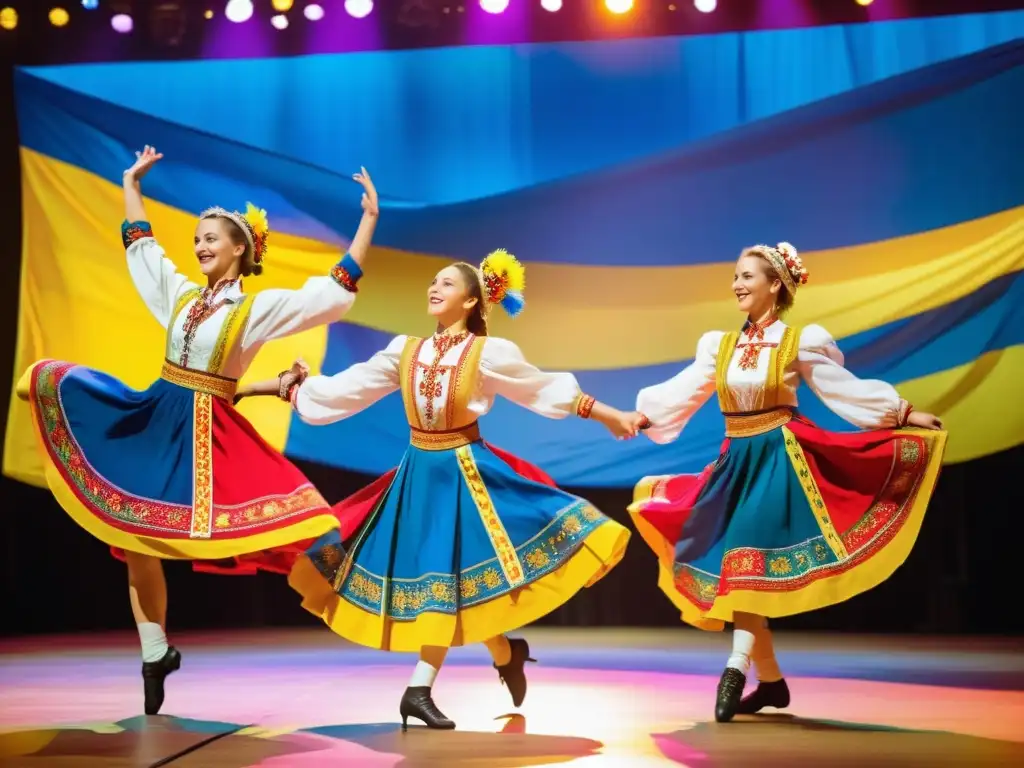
{"type": "Point", "coordinates": [156, 277]}
{"type": "Point", "coordinates": [277, 313]}
{"type": "Point", "coordinates": [865, 403]}
{"type": "Point", "coordinates": [506, 372]}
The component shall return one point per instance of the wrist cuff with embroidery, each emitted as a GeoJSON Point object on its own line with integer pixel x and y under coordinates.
{"type": "Point", "coordinates": [346, 273]}
{"type": "Point", "coordinates": [584, 405]}
{"type": "Point", "coordinates": [134, 230]}
{"type": "Point", "coordinates": [903, 413]}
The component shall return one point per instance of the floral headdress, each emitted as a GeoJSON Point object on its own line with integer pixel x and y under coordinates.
{"type": "Point", "coordinates": [254, 226]}
{"type": "Point", "coordinates": [786, 262]}
{"type": "Point", "coordinates": [503, 280]}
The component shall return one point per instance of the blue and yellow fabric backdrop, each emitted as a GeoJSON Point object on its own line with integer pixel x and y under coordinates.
{"type": "Point", "coordinates": [627, 175]}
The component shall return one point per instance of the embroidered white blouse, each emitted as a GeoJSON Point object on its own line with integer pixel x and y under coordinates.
{"type": "Point", "coordinates": [865, 403]}
{"type": "Point", "coordinates": [502, 371]}
{"type": "Point", "coordinates": [275, 312]}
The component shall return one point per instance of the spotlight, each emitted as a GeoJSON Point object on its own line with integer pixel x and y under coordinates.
{"type": "Point", "coordinates": [314, 12]}
{"type": "Point", "coordinates": [122, 23]}
{"type": "Point", "coordinates": [494, 6]}
{"type": "Point", "coordinates": [359, 9]}
{"type": "Point", "coordinates": [8, 18]}
{"type": "Point", "coordinates": [283, 6]}
{"type": "Point", "coordinates": [705, 6]}
{"type": "Point", "coordinates": [279, 21]}
{"type": "Point", "coordinates": [207, 14]}
{"type": "Point", "coordinates": [865, 3]}
{"type": "Point", "coordinates": [618, 6]}
{"type": "Point", "coordinates": [90, 5]}
{"type": "Point", "coordinates": [238, 10]}
{"type": "Point", "coordinates": [551, 5]}
{"type": "Point", "coordinates": [58, 17]}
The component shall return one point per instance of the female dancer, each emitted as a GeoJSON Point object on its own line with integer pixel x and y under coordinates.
{"type": "Point", "coordinates": [461, 543]}
{"type": "Point", "coordinates": [175, 471]}
{"type": "Point", "coordinates": [790, 517]}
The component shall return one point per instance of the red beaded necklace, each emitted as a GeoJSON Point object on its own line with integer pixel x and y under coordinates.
{"type": "Point", "coordinates": [752, 349]}
{"type": "Point", "coordinates": [201, 310]}
{"type": "Point", "coordinates": [430, 385]}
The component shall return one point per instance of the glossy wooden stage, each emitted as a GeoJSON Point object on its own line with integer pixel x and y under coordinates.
{"type": "Point", "coordinates": [634, 699]}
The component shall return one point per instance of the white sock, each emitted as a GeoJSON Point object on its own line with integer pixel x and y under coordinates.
{"type": "Point", "coordinates": [742, 645]}
{"type": "Point", "coordinates": [154, 641]}
{"type": "Point", "coordinates": [423, 676]}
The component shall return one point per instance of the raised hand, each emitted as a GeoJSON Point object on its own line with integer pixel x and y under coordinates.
{"type": "Point", "coordinates": [369, 201]}
{"type": "Point", "coordinates": [924, 420]}
{"type": "Point", "coordinates": [144, 160]}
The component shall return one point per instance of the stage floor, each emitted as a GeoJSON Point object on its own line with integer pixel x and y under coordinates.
{"type": "Point", "coordinates": [634, 699]}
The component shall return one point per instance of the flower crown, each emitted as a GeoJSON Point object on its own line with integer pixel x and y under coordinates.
{"type": "Point", "coordinates": [503, 280]}
{"type": "Point", "coordinates": [254, 226]}
{"type": "Point", "coordinates": [787, 263]}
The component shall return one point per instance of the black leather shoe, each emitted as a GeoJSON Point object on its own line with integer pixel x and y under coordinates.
{"type": "Point", "coordinates": [417, 702]}
{"type": "Point", "coordinates": [730, 690]}
{"type": "Point", "coordinates": [153, 675]}
{"type": "Point", "coordinates": [774, 694]}
{"type": "Point", "coordinates": [513, 674]}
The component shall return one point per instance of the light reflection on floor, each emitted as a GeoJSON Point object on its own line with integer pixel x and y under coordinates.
{"type": "Point", "coordinates": [597, 699]}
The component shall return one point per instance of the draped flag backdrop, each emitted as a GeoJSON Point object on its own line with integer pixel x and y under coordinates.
{"type": "Point", "coordinates": [627, 175]}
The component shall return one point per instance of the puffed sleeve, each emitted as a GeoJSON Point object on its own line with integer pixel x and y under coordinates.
{"type": "Point", "coordinates": [156, 278]}
{"type": "Point", "coordinates": [505, 371]}
{"type": "Point", "coordinates": [325, 299]}
{"type": "Point", "coordinates": [671, 404]}
{"type": "Point", "coordinates": [326, 399]}
{"type": "Point", "coordinates": [865, 403]}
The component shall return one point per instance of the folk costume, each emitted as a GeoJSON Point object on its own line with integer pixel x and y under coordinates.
{"type": "Point", "coordinates": [174, 471]}
{"type": "Point", "coordinates": [462, 542]}
{"type": "Point", "coordinates": [789, 517]}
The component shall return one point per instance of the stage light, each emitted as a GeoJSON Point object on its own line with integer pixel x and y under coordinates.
{"type": "Point", "coordinates": [494, 6]}
{"type": "Point", "coordinates": [283, 6]}
{"type": "Point", "coordinates": [279, 21]}
{"type": "Point", "coordinates": [238, 10]}
{"type": "Point", "coordinates": [122, 23]}
{"type": "Point", "coordinates": [865, 3]}
{"type": "Point", "coordinates": [8, 18]}
{"type": "Point", "coordinates": [90, 5]}
{"type": "Point", "coordinates": [314, 12]}
{"type": "Point", "coordinates": [59, 17]}
{"type": "Point", "coordinates": [359, 9]}
{"type": "Point", "coordinates": [207, 14]}
{"type": "Point", "coordinates": [705, 6]}
{"type": "Point", "coordinates": [551, 5]}
{"type": "Point", "coordinates": [618, 6]}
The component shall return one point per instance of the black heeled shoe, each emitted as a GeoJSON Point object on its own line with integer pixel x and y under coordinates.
{"type": "Point", "coordinates": [774, 694]}
{"type": "Point", "coordinates": [513, 674]}
{"type": "Point", "coordinates": [417, 702]}
{"type": "Point", "coordinates": [153, 675]}
{"type": "Point", "coordinates": [730, 691]}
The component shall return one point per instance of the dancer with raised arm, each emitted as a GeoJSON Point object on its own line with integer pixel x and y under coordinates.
{"type": "Point", "coordinates": [462, 543]}
{"type": "Point", "coordinates": [790, 517]}
{"type": "Point", "coordinates": [174, 471]}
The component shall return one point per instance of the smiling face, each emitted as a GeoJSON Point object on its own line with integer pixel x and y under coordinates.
{"type": "Point", "coordinates": [755, 287]}
{"type": "Point", "coordinates": [217, 250]}
{"type": "Point", "coordinates": [451, 295]}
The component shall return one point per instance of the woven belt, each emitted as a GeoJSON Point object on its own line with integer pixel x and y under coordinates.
{"type": "Point", "coordinates": [751, 424]}
{"type": "Point", "coordinates": [199, 381]}
{"type": "Point", "coordinates": [444, 441]}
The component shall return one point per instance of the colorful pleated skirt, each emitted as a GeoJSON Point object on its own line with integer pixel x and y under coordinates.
{"type": "Point", "coordinates": [172, 471]}
{"type": "Point", "coordinates": [454, 547]}
{"type": "Point", "coordinates": [788, 520]}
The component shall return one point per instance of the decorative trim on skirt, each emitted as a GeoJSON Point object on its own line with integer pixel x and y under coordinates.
{"type": "Point", "coordinates": [454, 547]}
{"type": "Point", "coordinates": [169, 471]}
{"type": "Point", "coordinates": [788, 521]}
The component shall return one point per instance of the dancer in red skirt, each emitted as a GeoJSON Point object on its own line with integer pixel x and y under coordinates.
{"type": "Point", "coordinates": [790, 517]}
{"type": "Point", "coordinates": [174, 471]}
